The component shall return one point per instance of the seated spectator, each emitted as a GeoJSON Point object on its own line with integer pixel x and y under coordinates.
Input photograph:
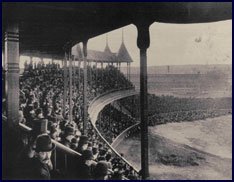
{"type": "Point", "coordinates": [83, 144]}
{"type": "Point", "coordinates": [68, 135]}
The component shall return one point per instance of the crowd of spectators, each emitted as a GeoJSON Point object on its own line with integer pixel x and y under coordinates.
{"type": "Point", "coordinates": [181, 116]}
{"type": "Point", "coordinates": [164, 105]}
{"type": "Point", "coordinates": [111, 122]}
{"type": "Point", "coordinates": [42, 108]}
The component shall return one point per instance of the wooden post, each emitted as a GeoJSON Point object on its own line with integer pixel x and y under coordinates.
{"type": "Point", "coordinates": [70, 85]}
{"type": "Point", "coordinates": [143, 41]}
{"type": "Point", "coordinates": [96, 72]}
{"type": "Point", "coordinates": [12, 73]}
{"type": "Point", "coordinates": [85, 88]}
{"type": "Point", "coordinates": [90, 74]}
{"type": "Point", "coordinates": [117, 72]}
{"type": "Point", "coordinates": [65, 84]}
{"type": "Point", "coordinates": [129, 71]}
{"type": "Point", "coordinates": [109, 119]}
{"type": "Point", "coordinates": [102, 71]}
{"type": "Point", "coordinates": [79, 62]}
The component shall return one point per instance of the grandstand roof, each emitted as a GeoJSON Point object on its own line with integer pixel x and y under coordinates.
{"type": "Point", "coordinates": [104, 56]}
{"type": "Point", "coordinates": [50, 27]}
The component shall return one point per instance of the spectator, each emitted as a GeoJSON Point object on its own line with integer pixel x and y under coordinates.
{"type": "Point", "coordinates": [41, 164]}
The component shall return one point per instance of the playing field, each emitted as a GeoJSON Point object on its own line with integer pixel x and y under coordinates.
{"type": "Point", "coordinates": [198, 150]}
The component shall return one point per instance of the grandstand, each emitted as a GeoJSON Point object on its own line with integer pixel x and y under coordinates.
{"type": "Point", "coordinates": [59, 119]}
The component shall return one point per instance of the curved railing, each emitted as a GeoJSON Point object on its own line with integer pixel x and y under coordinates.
{"type": "Point", "coordinates": [100, 102]}
{"type": "Point", "coordinates": [95, 109]}
{"type": "Point", "coordinates": [110, 91]}
{"type": "Point", "coordinates": [123, 135]}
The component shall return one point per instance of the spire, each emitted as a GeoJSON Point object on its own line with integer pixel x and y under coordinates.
{"type": "Point", "coordinates": [107, 49]}
{"type": "Point", "coordinates": [107, 40]}
{"type": "Point", "coordinates": [122, 35]}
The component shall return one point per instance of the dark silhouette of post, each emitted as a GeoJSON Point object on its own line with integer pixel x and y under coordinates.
{"type": "Point", "coordinates": [70, 85]}
{"type": "Point", "coordinates": [65, 83]}
{"type": "Point", "coordinates": [85, 119]}
{"type": "Point", "coordinates": [143, 41]}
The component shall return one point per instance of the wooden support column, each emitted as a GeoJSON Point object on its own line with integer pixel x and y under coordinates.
{"type": "Point", "coordinates": [85, 119]}
{"type": "Point", "coordinates": [65, 84]}
{"type": "Point", "coordinates": [143, 42]}
{"type": "Point", "coordinates": [109, 119]}
{"type": "Point", "coordinates": [12, 73]}
{"type": "Point", "coordinates": [102, 71]}
{"type": "Point", "coordinates": [3, 60]}
{"type": "Point", "coordinates": [70, 85]}
{"type": "Point", "coordinates": [90, 74]}
{"type": "Point", "coordinates": [129, 71]}
{"type": "Point", "coordinates": [117, 73]}
{"type": "Point", "coordinates": [79, 80]}
{"type": "Point", "coordinates": [96, 72]}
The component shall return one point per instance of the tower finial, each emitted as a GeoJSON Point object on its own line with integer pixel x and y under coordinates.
{"type": "Point", "coordinates": [107, 39]}
{"type": "Point", "coordinates": [122, 35]}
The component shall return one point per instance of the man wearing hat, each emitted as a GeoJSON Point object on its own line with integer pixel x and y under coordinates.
{"type": "Point", "coordinates": [41, 164]}
{"type": "Point", "coordinates": [68, 135]}
{"type": "Point", "coordinates": [83, 144]}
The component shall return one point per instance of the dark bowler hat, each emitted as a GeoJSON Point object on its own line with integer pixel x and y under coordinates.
{"type": "Point", "coordinates": [84, 139]}
{"type": "Point", "coordinates": [69, 130]}
{"type": "Point", "coordinates": [44, 144]}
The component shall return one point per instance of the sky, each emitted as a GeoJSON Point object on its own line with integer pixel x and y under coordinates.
{"type": "Point", "coordinates": [172, 44]}
{"type": "Point", "coordinates": [175, 44]}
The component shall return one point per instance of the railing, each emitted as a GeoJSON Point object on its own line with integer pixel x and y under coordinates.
{"type": "Point", "coordinates": [123, 135]}
{"type": "Point", "coordinates": [66, 150]}
{"type": "Point", "coordinates": [116, 153]}
{"type": "Point", "coordinates": [98, 106]}
{"type": "Point", "coordinates": [94, 126]}
{"type": "Point", "coordinates": [110, 91]}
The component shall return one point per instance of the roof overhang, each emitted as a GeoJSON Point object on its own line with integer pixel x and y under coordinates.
{"type": "Point", "coordinates": [49, 27]}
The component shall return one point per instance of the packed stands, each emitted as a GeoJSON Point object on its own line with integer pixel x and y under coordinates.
{"type": "Point", "coordinates": [41, 95]}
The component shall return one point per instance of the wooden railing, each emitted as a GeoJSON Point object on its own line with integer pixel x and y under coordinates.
{"type": "Point", "coordinates": [94, 126]}
{"type": "Point", "coordinates": [60, 147]}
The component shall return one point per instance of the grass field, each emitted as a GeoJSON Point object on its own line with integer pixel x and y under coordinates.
{"type": "Point", "coordinates": [199, 150]}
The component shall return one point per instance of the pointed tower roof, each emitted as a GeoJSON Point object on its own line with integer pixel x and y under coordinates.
{"type": "Point", "coordinates": [107, 50]}
{"type": "Point", "coordinates": [109, 56]}
{"type": "Point", "coordinates": [123, 55]}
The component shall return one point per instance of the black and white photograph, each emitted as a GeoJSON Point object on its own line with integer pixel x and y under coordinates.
{"type": "Point", "coordinates": [117, 90]}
